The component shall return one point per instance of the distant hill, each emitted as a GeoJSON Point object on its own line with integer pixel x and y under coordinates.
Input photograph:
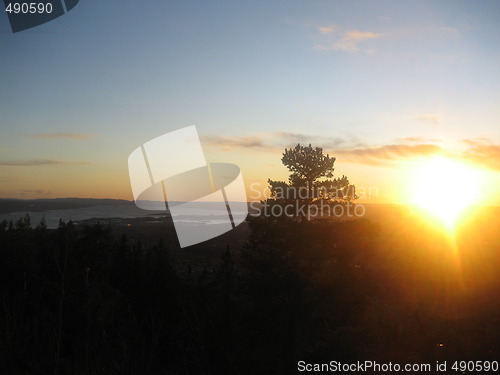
{"type": "Point", "coordinates": [40, 205]}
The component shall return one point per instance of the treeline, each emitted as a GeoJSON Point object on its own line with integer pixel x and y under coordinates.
{"type": "Point", "coordinates": [85, 301]}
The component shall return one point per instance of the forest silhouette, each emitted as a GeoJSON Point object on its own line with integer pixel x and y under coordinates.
{"type": "Point", "coordinates": [90, 299]}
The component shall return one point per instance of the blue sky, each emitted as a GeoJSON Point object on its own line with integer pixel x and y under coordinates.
{"type": "Point", "coordinates": [78, 94]}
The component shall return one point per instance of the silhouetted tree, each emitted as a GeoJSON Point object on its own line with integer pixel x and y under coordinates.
{"type": "Point", "coordinates": [310, 184]}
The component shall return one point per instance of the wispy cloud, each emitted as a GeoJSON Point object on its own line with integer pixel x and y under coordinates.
{"type": "Point", "coordinates": [351, 39]}
{"type": "Point", "coordinates": [39, 162]}
{"type": "Point", "coordinates": [271, 141]}
{"type": "Point", "coordinates": [381, 155]}
{"type": "Point", "coordinates": [324, 141]}
{"type": "Point", "coordinates": [418, 140]}
{"type": "Point", "coordinates": [482, 152]}
{"type": "Point", "coordinates": [430, 119]}
{"type": "Point", "coordinates": [12, 179]}
{"type": "Point", "coordinates": [479, 151]}
{"type": "Point", "coordinates": [327, 29]}
{"type": "Point", "coordinates": [344, 40]}
{"type": "Point", "coordinates": [71, 136]}
{"type": "Point", "coordinates": [230, 143]}
{"type": "Point", "coordinates": [449, 29]}
{"type": "Point", "coordinates": [34, 192]}
{"type": "Point", "coordinates": [349, 150]}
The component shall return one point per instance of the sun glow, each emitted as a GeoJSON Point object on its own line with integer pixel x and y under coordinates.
{"type": "Point", "coordinates": [445, 188]}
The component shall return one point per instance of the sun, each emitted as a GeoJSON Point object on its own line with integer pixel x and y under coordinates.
{"type": "Point", "coordinates": [445, 188]}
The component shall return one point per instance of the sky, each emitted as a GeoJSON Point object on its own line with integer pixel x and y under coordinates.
{"type": "Point", "coordinates": [379, 85]}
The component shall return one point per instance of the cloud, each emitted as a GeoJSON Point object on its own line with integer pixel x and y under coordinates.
{"type": "Point", "coordinates": [39, 162]}
{"type": "Point", "coordinates": [384, 18]}
{"type": "Point", "coordinates": [12, 179]}
{"type": "Point", "coordinates": [34, 192]}
{"type": "Point", "coordinates": [357, 35]}
{"type": "Point", "coordinates": [321, 47]}
{"type": "Point", "coordinates": [71, 136]}
{"type": "Point", "coordinates": [479, 151]}
{"type": "Point", "coordinates": [350, 40]}
{"type": "Point", "coordinates": [482, 152]}
{"type": "Point", "coordinates": [327, 29]}
{"type": "Point", "coordinates": [229, 143]}
{"type": "Point", "coordinates": [348, 150]}
{"type": "Point", "coordinates": [430, 119]}
{"type": "Point", "coordinates": [293, 138]}
{"type": "Point", "coordinates": [344, 40]}
{"type": "Point", "coordinates": [271, 141]}
{"type": "Point", "coordinates": [380, 155]}
{"type": "Point", "coordinates": [340, 38]}
{"type": "Point", "coordinates": [345, 148]}
{"type": "Point", "coordinates": [418, 140]}
{"type": "Point", "coordinates": [449, 29]}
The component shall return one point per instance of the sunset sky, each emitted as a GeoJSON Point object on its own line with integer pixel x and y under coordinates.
{"type": "Point", "coordinates": [382, 86]}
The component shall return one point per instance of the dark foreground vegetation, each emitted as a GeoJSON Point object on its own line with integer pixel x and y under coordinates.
{"type": "Point", "coordinates": [86, 300]}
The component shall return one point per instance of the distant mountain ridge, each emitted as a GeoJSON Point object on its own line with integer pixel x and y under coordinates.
{"type": "Point", "coordinates": [39, 205]}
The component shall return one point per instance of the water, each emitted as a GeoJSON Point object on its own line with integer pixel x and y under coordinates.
{"type": "Point", "coordinates": [206, 215]}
